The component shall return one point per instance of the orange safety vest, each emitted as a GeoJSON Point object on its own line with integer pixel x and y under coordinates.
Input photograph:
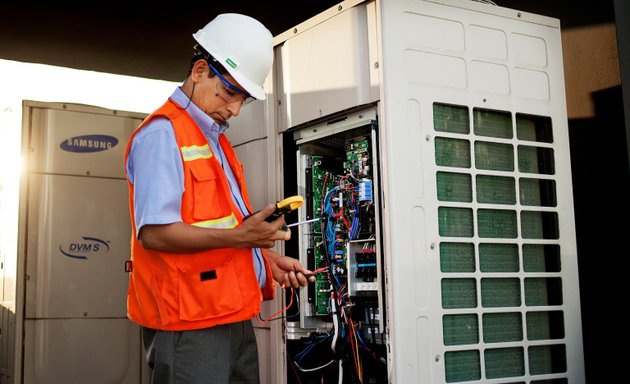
{"type": "Point", "coordinates": [177, 291]}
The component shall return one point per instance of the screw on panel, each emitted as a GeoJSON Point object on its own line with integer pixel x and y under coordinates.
{"type": "Point", "coordinates": [432, 246]}
{"type": "Point", "coordinates": [437, 358]}
{"type": "Point", "coordinates": [339, 8]}
{"type": "Point", "coordinates": [376, 65]}
{"type": "Point", "coordinates": [294, 30]}
{"type": "Point", "coordinates": [518, 15]}
{"type": "Point", "coordinates": [427, 138]}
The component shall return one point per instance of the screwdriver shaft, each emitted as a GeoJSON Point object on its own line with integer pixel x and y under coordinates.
{"type": "Point", "coordinates": [303, 222]}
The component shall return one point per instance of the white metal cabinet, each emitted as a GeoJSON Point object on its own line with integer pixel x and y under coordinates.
{"type": "Point", "coordinates": [73, 242]}
{"type": "Point", "coordinates": [478, 230]}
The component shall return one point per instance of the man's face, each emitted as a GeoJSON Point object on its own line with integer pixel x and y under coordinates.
{"type": "Point", "coordinates": [219, 98]}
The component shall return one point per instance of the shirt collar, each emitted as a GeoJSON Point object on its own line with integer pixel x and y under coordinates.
{"type": "Point", "coordinates": [205, 122]}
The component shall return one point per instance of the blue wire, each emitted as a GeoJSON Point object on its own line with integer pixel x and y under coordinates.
{"type": "Point", "coordinates": [357, 331]}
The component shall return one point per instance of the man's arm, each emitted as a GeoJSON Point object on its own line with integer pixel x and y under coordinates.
{"type": "Point", "coordinates": [184, 238]}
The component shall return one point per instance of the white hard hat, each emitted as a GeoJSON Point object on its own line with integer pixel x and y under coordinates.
{"type": "Point", "coordinates": [243, 46]}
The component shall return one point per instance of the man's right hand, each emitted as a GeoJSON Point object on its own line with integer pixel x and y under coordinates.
{"type": "Point", "coordinates": [257, 232]}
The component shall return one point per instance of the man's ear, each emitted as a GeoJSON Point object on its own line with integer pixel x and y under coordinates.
{"type": "Point", "coordinates": [199, 70]}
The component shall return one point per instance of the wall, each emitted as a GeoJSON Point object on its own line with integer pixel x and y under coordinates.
{"type": "Point", "coordinates": [601, 185]}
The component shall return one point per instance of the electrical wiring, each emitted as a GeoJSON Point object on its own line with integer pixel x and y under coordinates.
{"type": "Point", "coordinates": [365, 347]}
{"type": "Point", "coordinates": [355, 353]}
{"type": "Point", "coordinates": [340, 380]}
{"type": "Point", "coordinates": [343, 201]}
{"type": "Point", "coordinates": [273, 316]}
{"type": "Point", "coordinates": [305, 351]}
{"type": "Point", "coordinates": [358, 333]}
{"type": "Point", "coordinates": [313, 369]}
{"type": "Point", "coordinates": [317, 271]}
{"type": "Point", "coordinates": [354, 227]}
{"type": "Point", "coordinates": [333, 312]}
{"type": "Point", "coordinates": [342, 293]}
{"type": "Point", "coordinates": [297, 363]}
{"type": "Point", "coordinates": [351, 190]}
{"type": "Point", "coordinates": [313, 342]}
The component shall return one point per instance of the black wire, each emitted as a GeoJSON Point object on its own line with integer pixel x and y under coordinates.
{"type": "Point", "coordinates": [189, 99]}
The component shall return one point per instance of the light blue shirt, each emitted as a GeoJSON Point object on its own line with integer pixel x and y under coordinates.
{"type": "Point", "coordinates": [155, 169]}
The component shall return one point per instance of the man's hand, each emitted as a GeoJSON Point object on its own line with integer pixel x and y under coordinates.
{"type": "Point", "coordinates": [287, 271]}
{"type": "Point", "coordinates": [257, 232]}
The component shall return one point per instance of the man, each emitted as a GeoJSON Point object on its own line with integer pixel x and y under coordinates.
{"type": "Point", "coordinates": [198, 269]}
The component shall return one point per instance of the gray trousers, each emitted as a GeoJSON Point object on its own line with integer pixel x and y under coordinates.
{"type": "Point", "coordinates": [222, 354]}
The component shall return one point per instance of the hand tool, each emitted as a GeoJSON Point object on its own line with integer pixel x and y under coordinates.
{"type": "Point", "coordinates": [302, 222]}
{"type": "Point", "coordinates": [284, 206]}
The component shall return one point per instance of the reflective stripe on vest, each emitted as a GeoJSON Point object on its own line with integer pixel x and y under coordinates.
{"type": "Point", "coordinates": [223, 222]}
{"type": "Point", "coordinates": [195, 152]}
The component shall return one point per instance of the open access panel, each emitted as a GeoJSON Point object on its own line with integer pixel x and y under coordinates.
{"type": "Point", "coordinates": [336, 331]}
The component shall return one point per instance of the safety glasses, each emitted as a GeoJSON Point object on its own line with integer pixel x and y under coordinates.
{"type": "Point", "coordinates": [230, 93]}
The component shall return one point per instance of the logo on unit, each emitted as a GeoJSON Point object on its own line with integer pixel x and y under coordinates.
{"type": "Point", "coordinates": [82, 249]}
{"type": "Point", "coordinates": [88, 143]}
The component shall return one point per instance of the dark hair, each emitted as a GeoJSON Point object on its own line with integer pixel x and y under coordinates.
{"type": "Point", "coordinates": [200, 53]}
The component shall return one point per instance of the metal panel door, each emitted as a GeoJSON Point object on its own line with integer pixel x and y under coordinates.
{"type": "Point", "coordinates": [480, 228]}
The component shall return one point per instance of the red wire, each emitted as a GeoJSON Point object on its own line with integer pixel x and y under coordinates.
{"type": "Point", "coordinates": [280, 311]}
